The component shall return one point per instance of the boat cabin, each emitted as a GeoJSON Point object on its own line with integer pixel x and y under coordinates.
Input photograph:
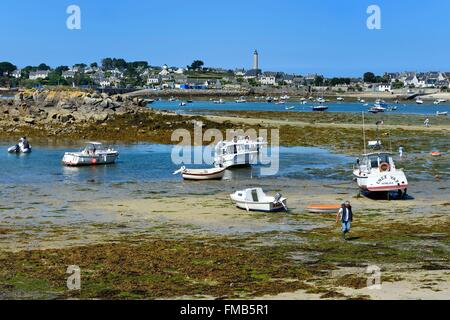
{"type": "Point", "coordinates": [252, 195]}
{"type": "Point", "coordinates": [93, 147]}
{"type": "Point", "coordinates": [376, 160]}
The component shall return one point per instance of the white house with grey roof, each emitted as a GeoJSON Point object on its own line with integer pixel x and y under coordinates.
{"type": "Point", "coordinates": [40, 74]}
{"type": "Point", "coordinates": [68, 74]}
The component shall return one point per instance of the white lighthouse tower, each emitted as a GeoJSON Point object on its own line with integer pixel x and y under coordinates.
{"type": "Point", "coordinates": [255, 60]}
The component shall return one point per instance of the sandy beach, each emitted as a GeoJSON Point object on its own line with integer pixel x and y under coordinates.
{"type": "Point", "coordinates": [406, 239]}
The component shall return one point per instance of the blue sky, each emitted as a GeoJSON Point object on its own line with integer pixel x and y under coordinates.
{"type": "Point", "coordinates": [324, 36]}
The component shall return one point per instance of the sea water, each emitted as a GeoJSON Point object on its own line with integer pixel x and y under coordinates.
{"type": "Point", "coordinates": [346, 107]}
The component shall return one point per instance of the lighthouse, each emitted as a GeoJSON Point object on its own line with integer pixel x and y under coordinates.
{"type": "Point", "coordinates": [255, 60]}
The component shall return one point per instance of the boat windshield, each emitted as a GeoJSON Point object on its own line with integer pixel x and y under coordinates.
{"type": "Point", "coordinates": [377, 159]}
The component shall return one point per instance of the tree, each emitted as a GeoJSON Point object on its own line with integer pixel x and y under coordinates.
{"type": "Point", "coordinates": [94, 65]}
{"type": "Point", "coordinates": [397, 84]}
{"type": "Point", "coordinates": [59, 70]}
{"type": "Point", "coordinates": [43, 66]}
{"type": "Point", "coordinates": [369, 77]}
{"type": "Point", "coordinates": [80, 65]}
{"type": "Point", "coordinates": [6, 67]}
{"type": "Point", "coordinates": [196, 65]}
{"type": "Point", "coordinates": [107, 64]}
{"type": "Point", "coordinates": [318, 81]}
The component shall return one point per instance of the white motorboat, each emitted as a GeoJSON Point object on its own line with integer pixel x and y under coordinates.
{"type": "Point", "coordinates": [21, 147]}
{"type": "Point", "coordinates": [340, 99]}
{"type": "Point", "coordinates": [220, 101]}
{"type": "Point", "coordinates": [241, 100]}
{"type": "Point", "coordinates": [93, 154]}
{"type": "Point", "coordinates": [285, 97]}
{"type": "Point", "coordinates": [182, 104]}
{"type": "Point", "coordinates": [280, 102]}
{"type": "Point", "coordinates": [256, 200]}
{"type": "Point", "coordinates": [238, 152]}
{"type": "Point", "coordinates": [321, 100]}
{"type": "Point", "coordinates": [378, 108]}
{"type": "Point", "coordinates": [376, 172]}
{"type": "Point", "coordinates": [419, 101]}
{"type": "Point", "coordinates": [290, 108]}
{"type": "Point", "coordinates": [442, 113]}
{"type": "Point", "coordinates": [201, 174]}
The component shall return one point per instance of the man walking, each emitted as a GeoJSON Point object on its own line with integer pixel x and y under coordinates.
{"type": "Point", "coordinates": [345, 214]}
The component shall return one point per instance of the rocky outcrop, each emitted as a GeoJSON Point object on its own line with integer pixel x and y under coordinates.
{"type": "Point", "coordinates": [41, 107]}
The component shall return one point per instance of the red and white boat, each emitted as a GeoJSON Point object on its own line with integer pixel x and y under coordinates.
{"type": "Point", "coordinates": [201, 174]}
{"type": "Point", "coordinates": [93, 154]}
{"type": "Point", "coordinates": [376, 172]}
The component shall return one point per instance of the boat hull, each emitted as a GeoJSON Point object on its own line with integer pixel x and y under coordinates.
{"type": "Point", "coordinates": [76, 160]}
{"type": "Point", "coordinates": [201, 175]}
{"type": "Point", "coordinates": [261, 206]}
{"type": "Point", "coordinates": [14, 149]}
{"type": "Point", "coordinates": [323, 208]}
{"type": "Point", "coordinates": [382, 182]}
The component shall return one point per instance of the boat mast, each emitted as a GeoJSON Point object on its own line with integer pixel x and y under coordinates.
{"type": "Point", "coordinates": [364, 133]}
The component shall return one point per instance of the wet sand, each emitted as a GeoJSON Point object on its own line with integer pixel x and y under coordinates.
{"type": "Point", "coordinates": [94, 219]}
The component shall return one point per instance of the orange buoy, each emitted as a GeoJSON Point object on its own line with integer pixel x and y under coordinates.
{"type": "Point", "coordinates": [323, 208]}
{"type": "Point", "coordinates": [436, 154]}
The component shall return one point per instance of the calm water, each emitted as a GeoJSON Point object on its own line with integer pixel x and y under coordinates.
{"type": "Point", "coordinates": [152, 162]}
{"type": "Point", "coordinates": [412, 108]}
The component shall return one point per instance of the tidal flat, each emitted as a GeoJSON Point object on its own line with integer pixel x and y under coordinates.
{"type": "Point", "coordinates": [138, 238]}
{"type": "Point", "coordinates": [154, 247]}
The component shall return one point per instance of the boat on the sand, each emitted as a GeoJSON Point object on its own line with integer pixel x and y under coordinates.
{"type": "Point", "coordinates": [201, 174]}
{"type": "Point", "coordinates": [376, 172]}
{"type": "Point", "coordinates": [323, 208]}
{"type": "Point", "coordinates": [94, 153]}
{"type": "Point", "coordinates": [255, 199]}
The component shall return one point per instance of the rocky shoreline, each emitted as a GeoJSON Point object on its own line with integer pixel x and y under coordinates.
{"type": "Point", "coordinates": [78, 115]}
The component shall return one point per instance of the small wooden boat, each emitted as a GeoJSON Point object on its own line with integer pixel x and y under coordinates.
{"type": "Point", "coordinates": [201, 174]}
{"type": "Point", "coordinates": [323, 208]}
{"type": "Point", "coordinates": [256, 200]}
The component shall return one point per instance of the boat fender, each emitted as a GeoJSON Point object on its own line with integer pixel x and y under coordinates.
{"type": "Point", "coordinates": [385, 166]}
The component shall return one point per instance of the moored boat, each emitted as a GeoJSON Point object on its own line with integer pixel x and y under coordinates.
{"type": "Point", "coordinates": [376, 172]}
{"type": "Point", "coordinates": [442, 113]}
{"type": "Point", "coordinates": [22, 147]}
{"type": "Point", "coordinates": [241, 151]}
{"type": "Point", "coordinates": [93, 154]}
{"type": "Point", "coordinates": [254, 199]}
{"type": "Point", "coordinates": [201, 174]}
{"type": "Point", "coordinates": [319, 108]}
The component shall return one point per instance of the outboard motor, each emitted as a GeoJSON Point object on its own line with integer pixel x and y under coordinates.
{"type": "Point", "coordinates": [277, 197]}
